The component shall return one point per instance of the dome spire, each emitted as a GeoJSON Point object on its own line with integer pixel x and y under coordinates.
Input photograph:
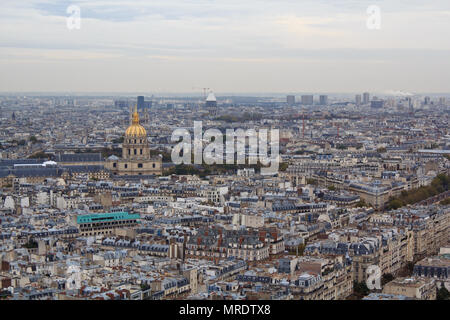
{"type": "Point", "coordinates": [135, 116]}
{"type": "Point", "coordinates": [135, 129]}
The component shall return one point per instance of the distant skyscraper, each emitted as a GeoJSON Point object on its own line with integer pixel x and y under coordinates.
{"type": "Point", "coordinates": [378, 104]}
{"type": "Point", "coordinates": [307, 100]}
{"type": "Point", "coordinates": [140, 103]}
{"type": "Point", "coordinates": [358, 100]}
{"type": "Point", "coordinates": [410, 104]}
{"type": "Point", "coordinates": [148, 104]}
{"type": "Point", "coordinates": [323, 100]}
{"type": "Point", "coordinates": [70, 103]}
{"type": "Point", "coordinates": [290, 100]}
{"type": "Point", "coordinates": [121, 104]}
{"type": "Point", "coordinates": [427, 101]}
{"type": "Point", "coordinates": [366, 98]}
{"type": "Point", "coordinates": [442, 101]}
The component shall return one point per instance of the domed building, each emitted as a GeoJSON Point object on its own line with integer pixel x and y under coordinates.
{"type": "Point", "coordinates": [136, 158]}
{"type": "Point", "coordinates": [211, 101]}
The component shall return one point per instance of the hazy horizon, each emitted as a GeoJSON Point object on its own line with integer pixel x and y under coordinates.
{"type": "Point", "coordinates": [252, 47]}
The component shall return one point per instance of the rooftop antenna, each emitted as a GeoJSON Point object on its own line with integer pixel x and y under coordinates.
{"type": "Point", "coordinates": [303, 129]}
{"type": "Point", "coordinates": [204, 90]}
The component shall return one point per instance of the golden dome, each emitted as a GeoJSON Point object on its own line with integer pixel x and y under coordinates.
{"type": "Point", "coordinates": [136, 130]}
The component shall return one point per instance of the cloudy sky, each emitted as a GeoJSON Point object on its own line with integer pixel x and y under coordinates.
{"type": "Point", "coordinates": [229, 45]}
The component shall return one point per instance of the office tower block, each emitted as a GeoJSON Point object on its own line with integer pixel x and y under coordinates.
{"type": "Point", "coordinates": [323, 100]}
{"type": "Point", "coordinates": [121, 104]}
{"type": "Point", "coordinates": [366, 98]}
{"type": "Point", "coordinates": [140, 103]}
{"type": "Point", "coordinates": [148, 104]}
{"type": "Point", "coordinates": [307, 99]}
{"type": "Point", "coordinates": [290, 100]}
{"type": "Point", "coordinates": [377, 104]}
{"type": "Point", "coordinates": [358, 100]}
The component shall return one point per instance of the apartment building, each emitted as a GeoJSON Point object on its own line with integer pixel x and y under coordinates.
{"type": "Point", "coordinates": [419, 288]}
{"type": "Point", "coordinates": [105, 223]}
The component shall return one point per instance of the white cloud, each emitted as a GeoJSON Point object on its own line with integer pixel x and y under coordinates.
{"type": "Point", "coordinates": [179, 39]}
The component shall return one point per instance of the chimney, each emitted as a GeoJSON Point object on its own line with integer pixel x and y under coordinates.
{"type": "Point", "coordinates": [274, 235]}
{"type": "Point", "coordinates": [262, 236]}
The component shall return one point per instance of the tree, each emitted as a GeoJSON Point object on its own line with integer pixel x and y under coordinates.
{"type": "Point", "coordinates": [30, 244]}
{"type": "Point", "coordinates": [145, 287]}
{"type": "Point", "coordinates": [406, 270]}
{"type": "Point", "coordinates": [119, 140]}
{"type": "Point", "coordinates": [361, 203]}
{"type": "Point", "coordinates": [33, 139]}
{"type": "Point", "coordinates": [387, 277]}
{"type": "Point", "coordinates": [283, 166]}
{"type": "Point", "coordinates": [395, 204]}
{"type": "Point", "coordinates": [439, 184]}
{"type": "Point", "coordinates": [4, 294]}
{"type": "Point", "coordinates": [106, 152]}
{"type": "Point", "coordinates": [40, 155]}
{"type": "Point", "coordinates": [166, 156]}
{"type": "Point", "coordinates": [331, 188]}
{"type": "Point", "coordinates": [442, 294]}
{"type": "Point", "coordinates": [360, 289]}
{"type": "Point", "coordinates": [299, 250]}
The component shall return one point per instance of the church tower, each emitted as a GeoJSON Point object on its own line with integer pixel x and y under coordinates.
{"type": "Point", "coordinates": [136, 158]}
{"type": "Point", "coordinates": [135, 145]}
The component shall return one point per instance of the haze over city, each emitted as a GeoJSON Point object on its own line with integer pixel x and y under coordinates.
{"type": "Point", "coordinates": [227, 157]}
{"type": "Point", "coordinates": [231, 46]}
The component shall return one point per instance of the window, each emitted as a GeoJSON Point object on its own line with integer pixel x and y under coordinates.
{"type": "Point", "coordinates": [140, 150]}
{"type": "Point", "coordinates": [139, 165]}
{"type": "Point", "coordinates": [153, 165]}
{"type": "Point", "coordinates": [135, 151]}
{"type": "Point", "coordinates": [125, 165]}
{"type": "Point", "coordinates": [114, 165]}
{"type": "Point", "coordinates": [129, 151]}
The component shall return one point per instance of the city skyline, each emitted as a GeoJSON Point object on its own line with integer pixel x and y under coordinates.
{"type": "Point", "coordinates": [231, 157]}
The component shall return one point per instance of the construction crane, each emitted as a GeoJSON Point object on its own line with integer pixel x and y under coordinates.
{"type": "Point", "coordinates": [337, 124]}
{"type": "Point", "coordinates": [204, 91]}
{"type": "Point", "coordinates": [303, 125]}
{"type": "Point", "coordinates": [204, 95]}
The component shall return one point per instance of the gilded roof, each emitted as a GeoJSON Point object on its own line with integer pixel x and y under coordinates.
{"type": "Point", "coordinates": [135, 129]}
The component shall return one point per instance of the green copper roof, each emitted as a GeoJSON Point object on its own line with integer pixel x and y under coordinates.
{"type": "Point", "coordinates": [101, 217]}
